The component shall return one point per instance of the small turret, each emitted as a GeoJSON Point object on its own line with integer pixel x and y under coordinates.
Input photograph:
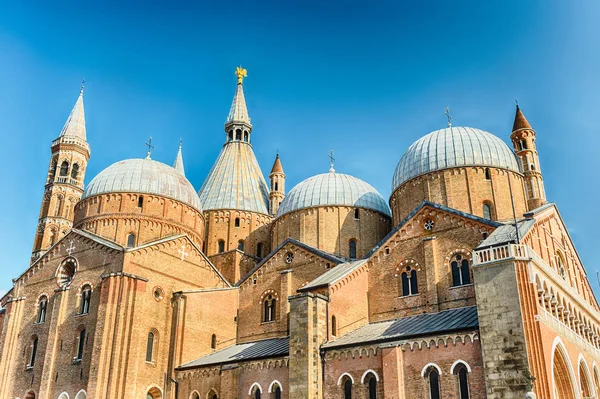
{"type": "Point", "coordinates": [178, 165]}
{"type": "Point", "coordinates": [277, 192]}
{"type": "Point", "coordinates": [523, 138]}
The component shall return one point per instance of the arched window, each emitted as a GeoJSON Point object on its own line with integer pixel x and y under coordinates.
{"type": "Point", "coordinates": [461, 273]}
{"type": "Point", "coordinates": [257, 394]}
{"type": "Point", "coordinates": [238, 134]}
{"type": "Point", "coordinates": [277, 392]}
{"type": "Point", "coordinates": [230, 136]}
{"type": "Point", "coordinates": [259, 250]}
{"type": "Point", "coordinates": [240, 245]}
{"type": "Point", "coordinates": [213, 341]}
{"type": "Point", "coordinates": [487, 211]}
{"type": "Point", "coordinates": [86, 297]}
{"type": "Point", "coordinates": [150, 348]}
{"type": "Point", "coordinates": [64, 168]}
{"type": "Point", "coordinates": [488, 174]}
{"type": "Point", "coordinates": [356, 214]}
{"type": "Point", "coordinates": [237, 222]}
{"type": "Point", "coordinates": [352, 248]}
{"type": "Point", "coordinates": [410, 284]}
{"type": "Point", "coordinates": [140, 201]}
{"type": "Point", "coordinates": [370, 381]}
{"type": "Point", "coordinates": [276, 186]}
{"type": "Point", "coordinates": [31, 395]}
{"type": "Point", "coordinates": [32, 351]}
{"type": "Point", "coordinates": [221, 245]}
{"type": "Point", "coordinates": [348, 389]}
{"type": "Point", "coordinates": [333, 326]}
{"type": "Point", "coordinates": [80, 345]}
{"type": "Point", "coordinates": [245, 136]}
{"type": "Point", "coordinates": [42, 307]}
{"type": "Point", "coordinates": [462, 374]}
{"type": "Point", "coordinates": [269, 308]}
{"type": "Point", "coordinates": [130, 240]}
{"type": "Point", "coordinates": [154, 393]}
{"type": "Point", "coordinates": [60, 200]}
{"type": "Point", "coordinates": [75, 171]}
{"type": "Point", "coordinates": [433, 381]}
{"type": "Point", "coordinates": [560, 264]}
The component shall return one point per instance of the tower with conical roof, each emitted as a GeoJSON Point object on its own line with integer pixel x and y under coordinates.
{"type": "Point", "coordinates": [178, 164]}
{"type": "Point", "coordinates": [235, 196]}
{"type": "Point", "coordinates": [277, 192]}
{"type": "Point", "coordinates": [523, 138]}
{"type": "Point", "coordinates": [64, 182]}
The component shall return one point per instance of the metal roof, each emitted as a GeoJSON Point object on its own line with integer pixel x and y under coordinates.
{"type": "Point", "coordinates": [507, 233]}
{"type": "Point", "coordinates": [333, 189]}
{"type": "Point", "coordinates": [145, 176]}
{"type": "Point", "coordinates": [75, 125]}
{"type": "Point", "coordinates": [334, 274]}
{"type": "Point", "coordinates": [274, 347]}
{"type": "Point", "coordinates": [238, 111]}
{"type": "Point", "coordinates": [412, 326]}
{"type": "Point", "coordinates": [453, 147]}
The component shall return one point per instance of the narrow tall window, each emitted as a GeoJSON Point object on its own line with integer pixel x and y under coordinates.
{"type": "Point", "coordinates": [463, 381]}
{"type": "Point", "coordinates": [237, 222]}
{"type": "Point", "coordinates": [230, 135]}
{"type": "Point", "coordinates": [487, 211]}
{"type": "Point", "coordinates": [240, 245]}
{"type": "Point", "coordinates": [221, 245]}
{"type": "Point", "coordinates": [276, 186]}
{"type": "Point", "coordinates": [259, 250]}
{"type": "Point", "coordinates": [80, 345]}
{"type": "Point", "coordinates": [33, 353]}
{"type": "Point", "coordinates": [356, 214]}
{"type": "Point", "coordinates": [213, 342]}
{"type": "Point", "coordinates": [238, 134]}
{"type": "Point", "coordinates": [333, 326]}
{"type": "Point", "coordinates": [75, 171]}
{"type": "Point", "coordinates": [410, 284]}
{"type": "Point", "coordinates": [150, 347]}
{"type": "Point", "coordinates": [352, 248]}
{"type": "Point", "coordinates": [130, 240]}
{"type": "Point", "coordinates": [433, 377]}
{"type": "Point", "coordinates": [269, 308]}
{"type": "Point", "coordinates": [42, 306]}
{"type": "Point", "coordinates": [372, 385]}
{"type": "Point", "coordinates": [86, 298]}
{"type": "Point", "coordinates": [140, 201]}
{"type": "Point", "coordinates": [277, 392]}
{"type": "Point", "coordinates": [348, 389]}
{"type": "Point", "coordinates": [257, 394]}
{"type": "Point", "coordinates": [488, 174]}
{"type": "Point", "coordinates": [64, 168]}
{"type": "Point", "coordinates": [245, 136]}
{"type": "Point", "coordinates": [461, 274]}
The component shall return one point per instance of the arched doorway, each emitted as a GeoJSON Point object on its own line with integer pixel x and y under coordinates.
{"type": "Point", "coordinates": [154, 393]}
{"type": "Point", "coordinates": [562, 375]}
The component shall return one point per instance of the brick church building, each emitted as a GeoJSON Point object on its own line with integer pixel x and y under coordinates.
{"type": "Point", "coordinates": [465, 284]}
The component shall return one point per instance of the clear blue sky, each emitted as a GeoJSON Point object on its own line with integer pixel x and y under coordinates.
{"type": "Point", "coordinates": [364, 78]}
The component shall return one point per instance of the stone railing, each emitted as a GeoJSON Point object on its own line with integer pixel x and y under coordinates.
{"type": "Point", "coordinates": [502, 252]}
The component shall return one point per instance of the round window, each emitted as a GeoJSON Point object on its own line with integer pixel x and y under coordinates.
{"type": "Point", "coordinates": [158, 293]}
{"type": "Point", "coordinates": [289, 257]}
{"type": "Point", "coordinates": [66, 272]}
{"type": "Point", "coordinates": [429, 225]}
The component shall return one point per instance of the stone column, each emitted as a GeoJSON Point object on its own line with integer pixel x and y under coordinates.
{"type": "Point", "coordinates": [393, 373]}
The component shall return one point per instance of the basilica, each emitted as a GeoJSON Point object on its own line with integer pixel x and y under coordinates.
{"type": "Point", "coordinates": [464, 284]}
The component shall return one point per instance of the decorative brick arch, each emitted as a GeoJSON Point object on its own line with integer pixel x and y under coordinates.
{"type": "Point", "coordinates": [431, 365]}
{"type": "Point", "coordinates": [339, 382]}
{"type": "Point", "coordinates": [273, 384]}
{"type": "Point", "coordinates": [267, 293]}
{"type": "Point", "coordinates": [81, 395]}
{"type": "Point", "coordinates": [563, 377]}
{"type": "Point", "coordinates": [456, 363]}
{"type": "Point", "coordinates": [366, 373]}
{"type": "Point", "coordinates": [252, 388]}
{"type": "Point", "coordinates": [585, 378]}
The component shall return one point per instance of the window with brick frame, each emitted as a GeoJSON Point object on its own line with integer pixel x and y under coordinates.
{"type": "Point", "coordinates": [432, 376]}
{"type": "Point", "coordinates": [410, 282]}
{"type": "Point", "coordinates": [86, 299]}
{"type": "Point", "coordinates": [462, 376]}
{"type": "Point", "coordinates": [33, 347]}
{"type": "Point", "coordinates": [269, 308]}
{"type": "Point", "coordinates": [42, 308]}
{"type": "Point", "coordinates": [461, 270]}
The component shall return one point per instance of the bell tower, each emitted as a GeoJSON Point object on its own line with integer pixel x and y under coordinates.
{"type": "Point", "coordinates": [277, 191]}
{"type": "Point", "coordinates": [64, 182]}
{"type": "Point", "coordinates": [523, 138]}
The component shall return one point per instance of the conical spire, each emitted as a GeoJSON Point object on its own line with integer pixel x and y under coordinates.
{"type": "Point", "coordinates": [75, 125]}
{"type": "Point", "coordinates": [178, 165]}
{"type": "Point", "coordinates": [520, 121]}
{"type": "Point", "coordinates": [239, 112]}
{"type": "Point", "coordinates": [277, 167]}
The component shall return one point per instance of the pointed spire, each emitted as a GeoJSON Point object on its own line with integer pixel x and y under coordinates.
{"type": "Point", "coordinates": [238, 111]}
{"type": "Point", "coordinates": [75, 125]}
{"type": "Point", "coordinates": [277, 167]}
{"type": "Point", "coordinates": [520, 121]}
{"type": "Point", "coordinates": [178, 165]}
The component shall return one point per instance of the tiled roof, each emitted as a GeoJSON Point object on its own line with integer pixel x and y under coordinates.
{"type": "Point", "coordinates": [520, 121]}
{"type": "Point", "coordinates": [333, 275]}
{"type": "Point", "coordinates": [410, 327]}
{"type": "Point", "coordinates": [275, 347]}
{"type": "Point", "coordinates": [436, 206]}
{"type": "Point", "coordinates": [318, 252]}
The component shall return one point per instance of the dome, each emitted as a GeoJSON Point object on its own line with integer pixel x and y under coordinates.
{"type": "Point", "coordinates": [453, 147]}
{"type": "Point", "coordinates": [333, 189]}
{"type": "Point", "coordinates": [144, 176]}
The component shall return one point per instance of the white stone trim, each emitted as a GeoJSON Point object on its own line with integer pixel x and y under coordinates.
{"type": "Point", "coordinates": [342, 376]}
{"type": "Point", "coordinates": [273, 383]}
{"type": "Point", "coordinates": [456, 363]}
{"type": "Point", "coordinates": [581, 359]}
{"type": "Point", "coordinates": [362, 379]}
{"type": "Point", "coordinates": [81, 392]}
{"type": "Point", "coordinates": [427, 366]}
{"type": "Point", "coordinates": [195, 392]}
{"type": "Point", "coordinates": [256, 384]}
{"type": "Point", "coordinates": [555, 346]}
{"type": "Point", "coordinates": [63, 395]}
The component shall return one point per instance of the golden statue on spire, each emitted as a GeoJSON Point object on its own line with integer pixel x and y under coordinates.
{"type": "Point", "coordinates": [241, 74]}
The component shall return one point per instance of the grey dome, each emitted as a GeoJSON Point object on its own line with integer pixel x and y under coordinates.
{"type": "Point", "coordinates": [144, 176]}
{"type": "Point", "coordinates": [453, 147]}
{"type": "Point", "coordinates": [333, 189]}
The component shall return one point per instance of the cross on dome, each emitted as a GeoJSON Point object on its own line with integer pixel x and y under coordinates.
{"type": "Point", "coordinates": [150, 147]}
{"type": "Point", "coordinates": [331, 161]}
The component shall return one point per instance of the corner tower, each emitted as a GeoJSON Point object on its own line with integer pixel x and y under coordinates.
{"type": "Point", "coordinates": [235, 196]}
{"type": "Point", "coordinates": [277, 178]}
{"type": "Point", "coordinates": [523, 138]}
{"type": "Point", "coordinates": [64, 182]}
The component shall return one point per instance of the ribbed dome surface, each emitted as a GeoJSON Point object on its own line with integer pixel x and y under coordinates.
{"type": "Point", "coordinates": [144, 176]}
{"type": "Point", "coordinates": [453, 147]}
{"type": "Point", "coordinates": [333, 189]}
